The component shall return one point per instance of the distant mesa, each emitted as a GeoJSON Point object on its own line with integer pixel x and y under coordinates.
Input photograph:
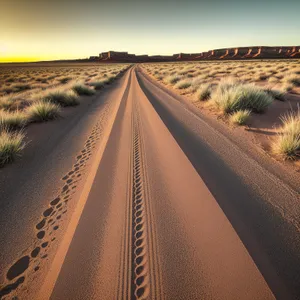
{"type": "Point", "coordinates": [257, 52]}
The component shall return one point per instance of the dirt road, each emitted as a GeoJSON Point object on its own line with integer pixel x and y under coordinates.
{"type": "Point", "coordinates": [161, 204]}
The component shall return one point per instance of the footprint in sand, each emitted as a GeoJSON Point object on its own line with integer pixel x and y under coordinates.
{"type": "Point", "coordinates": [40, 235]}
{"type": "Point", "coordinates": [35, 252]}
{"type": "Point", "coordinates": [55, 201]}
{"type": "Point", "coordinates": [48, 211]}
{"type": "Point", "coordinates": [41, 224]}
{"type": "Point", "coordinates": [18, 267]}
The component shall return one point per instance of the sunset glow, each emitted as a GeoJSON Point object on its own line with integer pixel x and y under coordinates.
{"type": "Point", "coordinates": [49, 30]}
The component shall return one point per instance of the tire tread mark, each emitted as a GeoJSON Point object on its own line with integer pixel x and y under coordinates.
{"type": "Point", "coordinates": [124, 279]}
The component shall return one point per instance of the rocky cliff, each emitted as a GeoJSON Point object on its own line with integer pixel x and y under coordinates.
{"type": "Point", "coordinates": [257, 52]}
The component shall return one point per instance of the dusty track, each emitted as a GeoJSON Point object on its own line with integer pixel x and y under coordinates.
{"type": "Point", "coordinates": [168, 211]}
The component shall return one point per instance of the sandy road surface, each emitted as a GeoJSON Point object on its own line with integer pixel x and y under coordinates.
{"type": "Point", "coordinates": [167, 208]}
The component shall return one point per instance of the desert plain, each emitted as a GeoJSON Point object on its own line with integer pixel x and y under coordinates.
{"type": "Point", "coordinates": [163, 180]}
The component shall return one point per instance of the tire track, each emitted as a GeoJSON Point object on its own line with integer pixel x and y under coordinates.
{"type": "Point", "coordinates": [140, 251]}
{"type": "Point", "coordinates": [145, 278]}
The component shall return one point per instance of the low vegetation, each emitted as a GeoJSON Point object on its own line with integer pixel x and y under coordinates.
{"type": "Point", "coordinates": [288, 140]}
{"type": "Point", "coordinates": [238, 90]}
{"type": "Point", "coordinates": [293, 80]}
{"type": "Point", "coordinates": [63, 98]}
{"type": "Point", "coordinates": [43, 111]}
{"type": "Point", "coordinates": [276, 94]}
{"type": "Point", "coordinates": [38, 94]}
{"type": "Point", "coordinates": [231, 98]}
{"type": "Point", "coordinates": [98, 85]}
{"type": "Point", "coordinates": [12, 121]}
{"type": "Point", "coordinates": [11, 145]}
{"type": "Point", "coordinates": [172, 79]}
{"type": "Point", "coordinates": [183, 84]}
{"type": "Point", "coordinates": [204, 92]}
{"type": "Point", "coordinates": [81, 89]}
{"type": "Point", "coordinates": [240, 117]}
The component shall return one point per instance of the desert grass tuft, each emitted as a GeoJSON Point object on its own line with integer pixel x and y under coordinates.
{"type": "Point", "coordinates": [98, 85]}
{"type": "Point", "coordinates": [19, 87]}
{"type": "Point", "coordinates": [6, 102]}
{"type": "Point", "coordinates": [63, 98]}
{"type": "Point", "coordinates": [292, 79]}
{"type": "Point", "coordinates": [12, 120]}
{"type": "Point", "coordinates": [204, 92]}
{"type": "Point", "coordinates": [234, 97]}
{"type": "Point", "coordinates": [81, 89]}
{"type": "Point", "coordinates": [172, 79]}
{"type": "Point", "coordinates": [42, 111]}
{"type": "Point", "coordinates": [64, 80]}
{"type": "Point", "coordinates": [287, 87]}
{"type": "Point", "coordinates": [183, 84]}
{"type": "Point", "coordinates": [11, 144]}
{"type": "Point", "coordinates": [240, 117]}
{"type": "Point", "coordinates": [288, 142]}
{"type": "Point", "coordinates": [276, 94]}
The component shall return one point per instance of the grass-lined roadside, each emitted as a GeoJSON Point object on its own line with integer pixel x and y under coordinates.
{"type": "Point", "coordinates": [287, 144]}
{"type": "Point", "coordinates": [38, 94]}
{"type": "Point", "coordinates": [241, 92]}
{"type": "Point", "coordinates": [11, 145]}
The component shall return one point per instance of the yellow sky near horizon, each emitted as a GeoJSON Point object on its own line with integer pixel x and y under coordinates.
{"type": "Point", "coordinates": [70, 29]}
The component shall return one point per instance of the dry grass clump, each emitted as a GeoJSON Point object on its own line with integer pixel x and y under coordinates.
{"type": "Point", "coordinates": [81, 89]}
{"type": "Point", "coordinates": [19, 87]}
{"type": "Point", "coordinates": [233, 97]}
{"type": "Point", "coordinates": [64, 80]}
{"type": "Point", "coordinates": [12, 120]}
{"type": "Point", "coordinates": [6, 102]}
{"type": "Point", "coordinates": [43, 111]}
{"type": "Point", "coordinates": [204, 92]}
{"type": "Point", "coordinates": [172, 79]}
{"type": "Point", "coordinates": [273, 79]}
{"type": "Point", "coordinates": [276, 94]}
{"type": "Point", "coordinates": [109, 78]}
{"type": "Point", "coordinates": [240, 117]}
{"type": "Point", "coordinates": [287, 143]}
{"type": "Point", "coordinates": [63, 98]}
{"type": "Point", "coordinates": [98, 85]}
{"type": "Point", "coordinates": [183, 84]}
{"type": "Point", "coordinates": [292, 80]}
{"type": "Point", "coordinates": [11, 144]}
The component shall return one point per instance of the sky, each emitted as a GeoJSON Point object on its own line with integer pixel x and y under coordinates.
{"type": "Point", "coordinates": [32, 30]}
